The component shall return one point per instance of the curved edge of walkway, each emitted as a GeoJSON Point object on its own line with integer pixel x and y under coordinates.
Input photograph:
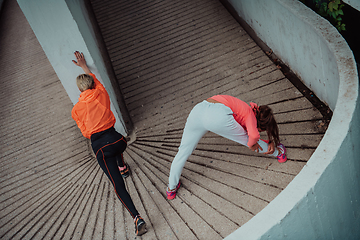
{"type": "Point", "coordinates": [323, 200]}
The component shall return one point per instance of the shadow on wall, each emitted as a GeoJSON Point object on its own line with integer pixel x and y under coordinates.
{"type": "Point", "coordinates": [351, 20]}
{"type": "Point", "coordinates": [1, 4]}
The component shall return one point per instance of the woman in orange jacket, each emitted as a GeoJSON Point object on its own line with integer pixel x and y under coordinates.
{"type": "Point", "coordinates": [96, 121]}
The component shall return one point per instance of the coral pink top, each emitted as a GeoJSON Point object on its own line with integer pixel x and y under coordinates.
{"type": "Point", "coordinates": [243, 114]}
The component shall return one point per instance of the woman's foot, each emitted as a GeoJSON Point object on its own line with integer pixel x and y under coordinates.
{"type": "Point", "coordinates": [282, 153]}
{"type": "Point", "coordinates": [140, 226]}
{"type": "Point", "coordinates": [171, 194]}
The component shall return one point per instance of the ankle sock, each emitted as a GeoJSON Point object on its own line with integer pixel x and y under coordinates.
{"type": "Point", "coordinates": [136, 217]}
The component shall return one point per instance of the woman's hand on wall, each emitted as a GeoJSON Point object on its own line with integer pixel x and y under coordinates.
{"type": "Point", "coordinates": [81, 62]}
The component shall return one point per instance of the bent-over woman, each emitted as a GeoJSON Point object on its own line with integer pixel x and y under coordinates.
{"type": "Point", "coordinates": [233, 119]}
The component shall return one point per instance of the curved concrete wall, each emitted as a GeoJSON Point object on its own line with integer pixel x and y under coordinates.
{"type": "Point", "coordinates": [323, 201]}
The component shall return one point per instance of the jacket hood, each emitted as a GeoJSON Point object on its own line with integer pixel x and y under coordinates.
{"type": "Point", "coordinates": [89, 95]}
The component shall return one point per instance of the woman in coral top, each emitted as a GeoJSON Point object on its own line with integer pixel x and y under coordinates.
{"type": "Point", "coordinates": [96, 121]}
{"type": "Point", "coordinates": [231, 118]}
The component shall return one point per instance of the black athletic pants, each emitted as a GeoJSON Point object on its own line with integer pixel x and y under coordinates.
{"type": "Point", "coordinates": [108, 147]}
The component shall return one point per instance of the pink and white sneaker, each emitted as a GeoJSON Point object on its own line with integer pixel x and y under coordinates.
{"type": "Point", "coordinates": [172, 194]}
{"type": "Point", "coordinates": [282, 156]}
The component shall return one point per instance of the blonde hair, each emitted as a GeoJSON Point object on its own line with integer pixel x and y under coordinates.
{"type": "Point", "coordinates": [84, 82]}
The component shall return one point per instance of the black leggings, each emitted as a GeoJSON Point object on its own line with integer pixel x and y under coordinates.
{"type": "Point", "coordinates": [108, 147]}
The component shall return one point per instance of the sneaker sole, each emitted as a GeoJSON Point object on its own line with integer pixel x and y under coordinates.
{"type": "Point", "coordinates": [125, 175]}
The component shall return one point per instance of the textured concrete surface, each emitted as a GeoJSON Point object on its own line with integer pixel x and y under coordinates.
{"type": "Point", "coordinates": [315, 202]}
{"type": "Point", "coordinates": [167, 57]}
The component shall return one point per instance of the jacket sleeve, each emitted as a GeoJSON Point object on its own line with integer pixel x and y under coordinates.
{"type": "Point", "coordinates": [80, 123]}
{"type": "Point", "coordinates": [253, 133]}
{"type": "Point", "coordinates": [98, 84]}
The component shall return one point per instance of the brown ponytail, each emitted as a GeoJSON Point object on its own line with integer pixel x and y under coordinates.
{"type": "Point", "coordinates": [266, 122]}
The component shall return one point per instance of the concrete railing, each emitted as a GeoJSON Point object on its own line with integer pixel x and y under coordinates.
{"type": "Point", "coordinates": [323, 200]}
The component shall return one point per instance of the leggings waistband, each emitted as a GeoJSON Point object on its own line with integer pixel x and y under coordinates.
{"type": "Point", "coordinates": [97, 135]}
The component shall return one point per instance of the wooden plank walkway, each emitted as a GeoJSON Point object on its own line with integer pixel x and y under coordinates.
{"type": "Point", "coordinates": [167, 57]}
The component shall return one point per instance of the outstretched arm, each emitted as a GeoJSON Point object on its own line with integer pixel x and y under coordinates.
{"type": "Point", "coordinates": [81, 62]}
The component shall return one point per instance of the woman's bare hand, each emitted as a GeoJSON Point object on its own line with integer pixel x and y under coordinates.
{"type": "Point", "coordinates": [271, 148]}
{"type": "Point", "coordinates": [81, 61]}
{"type": "Point", "coordinates": [256, 147]}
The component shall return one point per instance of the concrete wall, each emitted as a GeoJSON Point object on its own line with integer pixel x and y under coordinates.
{"type": "Point", "coordinates": [62, 27]}
{"type": "Point", "coordinates": [323, 200]}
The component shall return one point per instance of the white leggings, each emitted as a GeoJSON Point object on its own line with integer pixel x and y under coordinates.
{"type": "Point", "coordinates": [204, 117]}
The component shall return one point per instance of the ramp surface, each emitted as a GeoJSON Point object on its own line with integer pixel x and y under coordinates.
{"type": "Point", "coordinates": [167, 57]}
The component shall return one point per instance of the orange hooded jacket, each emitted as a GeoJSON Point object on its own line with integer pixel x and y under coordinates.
{"type": "Point", "coordinates": [92, 113]}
